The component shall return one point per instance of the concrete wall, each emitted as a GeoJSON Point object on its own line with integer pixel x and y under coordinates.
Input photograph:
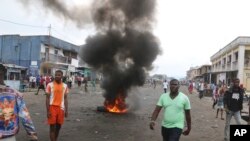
{"type": "Point", "coordinates": [13, 83]}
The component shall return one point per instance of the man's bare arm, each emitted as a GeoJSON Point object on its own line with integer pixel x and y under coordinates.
{"type": "Point", "coordinates": [188, 120]}
{"type": "Point", "coordinates": [154, 116]}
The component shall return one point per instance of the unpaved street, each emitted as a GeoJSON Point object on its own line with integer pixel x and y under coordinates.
{"type": "Point", "coordinates": [86, 124]}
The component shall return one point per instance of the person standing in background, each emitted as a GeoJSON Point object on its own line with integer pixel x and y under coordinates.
{"type": "Point", "coordinates": [165, 86]}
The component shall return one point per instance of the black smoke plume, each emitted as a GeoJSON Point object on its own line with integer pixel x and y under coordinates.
{"type": "Point", "coordinates": [78, 14]}
{"type": "Point", "coordinates": [124, 47]}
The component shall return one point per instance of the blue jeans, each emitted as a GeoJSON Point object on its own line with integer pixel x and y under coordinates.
{"type": "Point", "coordinates": [171, 134]}
{"type": "Point", "coordinates": [229, 115]}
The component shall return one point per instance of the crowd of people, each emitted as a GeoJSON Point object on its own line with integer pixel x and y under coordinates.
{"type": "Point", "coordinates": [176, 105]}
{"type": "Point", "coordinates": [41, 81]}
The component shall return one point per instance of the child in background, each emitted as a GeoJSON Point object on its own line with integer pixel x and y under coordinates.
{"type": "Point", "coordinates": [220, 104]}
{"type": "Point", "coordinates": [215, 95]}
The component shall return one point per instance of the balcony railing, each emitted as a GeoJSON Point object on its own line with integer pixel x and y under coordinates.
{"type": "Point", "coordinates": [235, 65]}
{"type": "Point", "coordinates": [223, 66]}
{"type": "Point", "coordinates": [45, 57]}
{"type": "Point", "coordinates": [215, 69]}
{"type": "Point", "coordinates": [228, 65]}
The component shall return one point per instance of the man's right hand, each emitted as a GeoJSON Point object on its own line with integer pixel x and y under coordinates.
{"type": "Point", "coordinates": [151, 125]}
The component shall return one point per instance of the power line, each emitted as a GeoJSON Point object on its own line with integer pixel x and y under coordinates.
{"type": "Point", "coordinates": [62, 35]}
{"type": "Point", "coordinates": [34, 26]}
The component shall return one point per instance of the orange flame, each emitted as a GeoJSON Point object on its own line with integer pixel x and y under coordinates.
{"type": "Point", "coordinates": [116, 106]}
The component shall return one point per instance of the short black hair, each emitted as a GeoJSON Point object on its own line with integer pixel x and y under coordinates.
{"type": "Point", "coordinates": [59, 71]}
{"type": "Point", "coordinates": [174, 80]}
{"type": "Point", "coordinates": [236, 79]}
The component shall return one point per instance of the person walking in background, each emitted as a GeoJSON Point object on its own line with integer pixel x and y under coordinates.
{"type": "Point", "coordinates": [244, 91]}
{"type": "Point", "coordinates": [220, 105]}
{"type": "Point", "coordinates": [79, 81]}
{"type": "Point", "coordinates": [13, 110]}
{"type": "Point", "coordinates": [176, 108]}
{"type": "Point", "coordinates": [154, 83]}
{"type": "Point", "coordinates": [233, 104]}
{"type": "Point", "coordinates": [38, 78]}
{"type": "Point", "coordinates": [201, 89]}
{"type": "Point", "coordinates": [69, 82]}
{"type": "Point", "coordinates": [215, 95]}
{"type": "Point", "coordinates": [85, 81]}
{"type": "Point", "coordinates": [190, 87]}
{"type": "Point", "coordinates": [165, 86]}
{"type": "Point", "coordinates": [41, 86]}
{"type": "Point", "coordinates": [47, 80]}
{"type": "Point", "coordinates": [56, 104]}
{"type": "Point", "coordinates": [33, 82]}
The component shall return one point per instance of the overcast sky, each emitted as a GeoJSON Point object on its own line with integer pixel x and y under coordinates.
{"type": "Point", "coordinates": [190, 31]}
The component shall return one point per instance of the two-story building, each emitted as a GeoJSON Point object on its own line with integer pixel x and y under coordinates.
{"type": "Point", "coordinates": [192, 73]}
{"type": "Point", "coordinates": [204, 72]}
{"type": "Point", "coordinates": [41, 54]}
{"type": "Point", "coordinates": [232, 61]}
{"type": "Point", "coordinates": [200, 73]}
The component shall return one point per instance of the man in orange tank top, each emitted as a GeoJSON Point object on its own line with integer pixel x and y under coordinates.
{"type": "Point", "coordinates": [56, 104]}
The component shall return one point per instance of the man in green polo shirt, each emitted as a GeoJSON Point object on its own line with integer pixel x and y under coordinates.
{"type": "Point", "coordinates": [176, 107]}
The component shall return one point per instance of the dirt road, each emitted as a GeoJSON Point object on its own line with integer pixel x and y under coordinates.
{"type": "Point", "coordinates": [86, 124]}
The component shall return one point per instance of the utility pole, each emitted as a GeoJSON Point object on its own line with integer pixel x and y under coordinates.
{"type": "Point", "coordinates": [49, 40]}
{"type": "Point", "coordinates": [47, 66]}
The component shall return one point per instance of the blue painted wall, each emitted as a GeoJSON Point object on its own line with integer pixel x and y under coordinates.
{"type": "Point", "coordinates": [21, 50]}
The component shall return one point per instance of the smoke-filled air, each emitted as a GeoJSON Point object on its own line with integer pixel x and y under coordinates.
{"type": "Point", "coordinates": [123, 48]}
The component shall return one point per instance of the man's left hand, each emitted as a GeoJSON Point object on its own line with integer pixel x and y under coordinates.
{"type": "Point", "coordinates": [186, 132]}
{"type": "Point", "coordinates": [66, 114]}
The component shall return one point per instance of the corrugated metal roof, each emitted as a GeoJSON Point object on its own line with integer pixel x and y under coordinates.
{"type": "Point", "coordinates": [13, 66]}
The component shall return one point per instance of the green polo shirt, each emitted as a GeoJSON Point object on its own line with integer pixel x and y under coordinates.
{"type": "Point", "coordinates": [174, 110]}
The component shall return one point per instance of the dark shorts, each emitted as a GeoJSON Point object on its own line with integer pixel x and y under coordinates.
{"type": "Point", "coordinates": [171, 134]}
{"type": "Point", "coordinates": [41, 87]}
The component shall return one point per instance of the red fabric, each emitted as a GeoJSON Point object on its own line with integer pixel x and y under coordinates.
{"type": "Point", "coordinates": [57, 115]}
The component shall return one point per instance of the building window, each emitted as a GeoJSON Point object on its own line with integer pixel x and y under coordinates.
{"type": "Point", "coordinates": [46, 70]}
{"type": "Point", "coordinates": [229, 59]}
{"type": "Point", "coordinates": [46, 50]}
{"type": "Point", "coordinates": [236, 56]}
{"type": "Point", "coordinates": [55, 51]}
{"type": "Point", "coordinates": [14, 76]}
